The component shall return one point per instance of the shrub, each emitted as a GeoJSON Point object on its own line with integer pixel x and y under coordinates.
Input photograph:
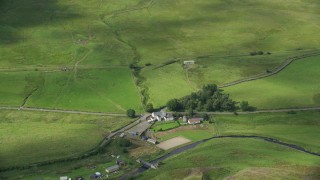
{"type": "Point", "coordinates": [131, 113]}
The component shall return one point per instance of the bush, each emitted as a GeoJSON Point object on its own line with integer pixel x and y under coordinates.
{"type": "Point", "coordinates": [149, 107]}
{"type": "Point", "coordinates": [131, 113]}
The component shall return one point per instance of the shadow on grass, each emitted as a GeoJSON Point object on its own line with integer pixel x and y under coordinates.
{"type": "Point", "coordinates": [16, 15]}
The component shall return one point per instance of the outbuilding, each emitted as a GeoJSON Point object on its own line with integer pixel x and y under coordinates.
{"type": "Point", "coordinates": [195, 120]}
{"type": "Point", "coordinates": [188, 62]}
{"type": "Point", "coordinates": [152, 141]}
{"type": "Point", "coordinates": [112, 169]}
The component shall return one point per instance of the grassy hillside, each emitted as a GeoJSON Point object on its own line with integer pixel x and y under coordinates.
{"type": "Point", "coordinates": [106, 90]}
{"type": "Point", "coordinates": [296, 86]}
{"type": "Point", "coordinates": [78, 34]}
{"type": "Point", "coordinates": [239, 159]}
{"type": "Point", "coordinates": [29, 137]}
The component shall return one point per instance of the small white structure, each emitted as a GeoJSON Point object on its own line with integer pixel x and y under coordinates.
{"type": "Point", "coordinates": [122, 135]}
{"type": "Point", "coordinates": [188, 62]}
{"type": "Point", "coordinates": [98, 174]}
{"type": "Point", "coordinates": [185, 119]}
{"type": "Point", "coordinates": [152, 141]}
{"type": "Point", "coordinates": [64, 178]}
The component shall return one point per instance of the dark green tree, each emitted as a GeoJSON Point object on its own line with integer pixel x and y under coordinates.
{"type": "Point", "coordinates": [131, 113]}
{"type": "Point", "coordinates": [244, 106]}
{"type": "Point", "coordinates": [190, 112]}
{"type": "Point", "coordinates": [173, 105]}
{"type": "Point", "coordinates": [205, 117]}
{"type": "Point", "coordinates": [149, 107]}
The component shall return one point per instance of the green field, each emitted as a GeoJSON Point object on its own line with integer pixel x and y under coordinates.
{"type": "Point", "coordinates": [106, 90]}
{"type": "Point", "coordinates": [295, 86]}
{"type": "Point", "coordinates": [82, 35]}
{"type": "Point", "coordinates": [29, 137]}
{"type": "Point", "coordinates": [300, 128]}
{"type": "Point", "coordinates": [109, 56]}
{"type": "Point", "coordinates": [239, 159]}
{"type": "Point", "coordinates": [163, 126]}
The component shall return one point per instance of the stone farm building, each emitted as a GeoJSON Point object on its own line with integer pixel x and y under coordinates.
{"type": "Point", "coordinates": [161, 116]}
{"type": "Point", "coordinates": [195, 120]}
{"type": "Point", "coordinates": [188, 62]}
{"type": "Point", "coordinates": [112, 169]}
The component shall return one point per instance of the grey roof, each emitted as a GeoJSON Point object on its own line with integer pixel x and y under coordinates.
{"type": "Point", "coordinates": [113, 168]}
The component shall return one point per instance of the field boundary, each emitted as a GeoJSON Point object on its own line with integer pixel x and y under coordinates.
{"type": "Point", "coordinates": [60, 111]}
{"type": "Point", "coordinates": [275, 71]}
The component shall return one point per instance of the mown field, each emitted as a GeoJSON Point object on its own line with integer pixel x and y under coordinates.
{"type": "Point", "coordinates": [238, 159]}
{"type": "Point", "coordinates": [30, 137]}
{"type": "Point", "coordinates": [295, 86]}
{"type": "Point", "coordinates": [219, 35]}
{"type": "Point", "coordinates": [300, 128]}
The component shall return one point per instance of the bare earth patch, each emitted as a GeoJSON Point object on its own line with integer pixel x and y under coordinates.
{"type": "Point", "coordinates": [174, 142]}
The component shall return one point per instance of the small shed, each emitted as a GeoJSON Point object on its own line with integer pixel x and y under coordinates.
{"type": "Point", "coordinates": [152, 141]}
{"type": "Point", "coordinates": [112, 169]}
{"type": "Point", "coordinates": [185, 119]}
{"type": "Point", "coordinates": [195, 120]}
{"type": "Point", "coordinates": [188, 62]}
{"type": "Point", "coordinates": [64, 178]}
{"type": "Point", "coordinates": [122, 135]}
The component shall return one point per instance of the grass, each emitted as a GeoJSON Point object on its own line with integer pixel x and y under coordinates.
{"type": "Point", "coordinates": [29, 137]}
{"type": "Point", "coordinates": [55, 34]}
{"type": "Point", "coordinates": [166, 83]}
{"type": "Point", "coordinates": [222, 158]}
{"type": "Point", "coordinates": [87, 90]}
{"type": "Point", "coordinates": [163, 126]}
{"type": "Point", "coordinates": [300, 128]}
{"type": "Point", "coordinates": [80, 167]}
{"type": "Point", "coordinates": [295, 86]}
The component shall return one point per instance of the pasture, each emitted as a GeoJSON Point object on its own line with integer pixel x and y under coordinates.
{"type": "Point", "coordinates": [30, 137]}
{"type": "Point", "coordinates": [104, 90]}
{"type": "Point", "coordinates": [300, 128]}
{"type": "Point", "coordinates": [237, 158]}
{"type": "Point", "coordinates": [78, 34]}
{"type": "Point", "coordinates": [295, 86]}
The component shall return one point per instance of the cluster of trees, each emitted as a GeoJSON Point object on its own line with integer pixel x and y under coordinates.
{"type": "Point", "coordinates": [209, 99]}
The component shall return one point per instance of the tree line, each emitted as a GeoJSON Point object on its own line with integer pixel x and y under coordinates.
{"type": "Point", "coordinates": [210, 98]}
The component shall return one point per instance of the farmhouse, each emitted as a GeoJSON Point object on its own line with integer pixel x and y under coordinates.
{"type": "Point", "coordinates": [188, 62]}
{"type": "Point", "coordinates": [112, 169]}
{"type": "Point", "coordinates": [162, 115]}
{"type": "Point", "coordinates": [195, 120]}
